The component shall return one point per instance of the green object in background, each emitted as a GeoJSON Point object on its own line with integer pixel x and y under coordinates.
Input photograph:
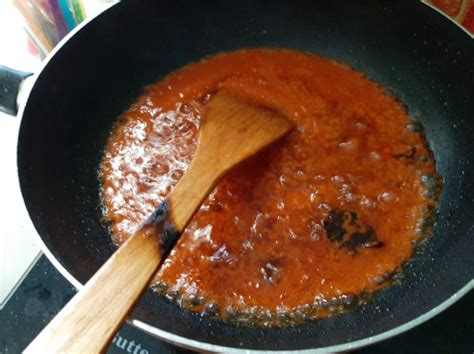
{"type": "Point", "coordinates": [77, 10]}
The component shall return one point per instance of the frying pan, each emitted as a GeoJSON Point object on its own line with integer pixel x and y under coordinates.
{"type": "Point", "coordinates": [99, 70]}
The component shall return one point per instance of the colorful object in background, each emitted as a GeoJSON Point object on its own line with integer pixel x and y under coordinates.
{"type": "Point", "coordinates": [66, 10]}
{"type": "Point", "coordinates": [78, 10]}
{"type": "Point", "coordinates": [48, 21]}
{"type": "Point", "coordinates": [59, 21]}
{"type": "Point", "coordinates": [460, 11]}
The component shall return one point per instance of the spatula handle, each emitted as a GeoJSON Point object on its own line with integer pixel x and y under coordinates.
{"type": "Point", "coordinates": [89, 321]}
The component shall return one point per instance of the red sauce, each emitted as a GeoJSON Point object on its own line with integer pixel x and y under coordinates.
{"type": "Point", "coordinates": [311, 226]}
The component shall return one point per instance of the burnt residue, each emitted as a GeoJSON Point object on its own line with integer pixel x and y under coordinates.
{"type": "Point", "coordinates": [433, 185]}
{"type": "Point", "coordinates": [334, 224]}
{"type": "Point", "coordinates": [257, 316]}
{"type": "Point", "coordinates": [158, 215]}
{"type": "Point", "coordinates": [367, 239]}
{"type": "Point", "coordinates": [194, 300]}
{"type": "Point", "coordinates": [415, 127]}
{"type": "Point", "coordinates": [169, 238]}
{"type": "Point", "coordinates": [388, 277]}
{"type": "Point", "coordinates": [271, 272]}
{"type": "Point", "coordinates": [408, 154]}
{"type": "Point", "coordinates": [165, 228]}
{"type": "Point", "coordinates": [211, 309]}
{"type": "Point", "coordinates": [160, 287]}
{"type": "Point", "coordinates": [427, 224]}
{"type": "Point", "coordinates": [344, 228]}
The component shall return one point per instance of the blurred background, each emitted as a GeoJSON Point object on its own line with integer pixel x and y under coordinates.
{"type": "Point", "coordinates": [29, 30]}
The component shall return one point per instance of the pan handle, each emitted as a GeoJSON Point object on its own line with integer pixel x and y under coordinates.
{"type": "Point", "coordinates": [10, 84]}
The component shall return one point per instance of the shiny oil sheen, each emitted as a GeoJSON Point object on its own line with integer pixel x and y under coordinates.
{"type": "Point", "coordinates": [259, 251]}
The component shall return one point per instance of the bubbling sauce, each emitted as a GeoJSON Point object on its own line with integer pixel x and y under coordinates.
{"type": "Point", "coordinates": [310, 227]}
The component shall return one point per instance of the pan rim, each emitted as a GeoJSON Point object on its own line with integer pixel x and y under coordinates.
{"type": "Point", "coordinates": [188, 343]}
{"type": "Point", "coordinates": [459, 25]}
{"type": "Point", "coordinates": [349, 346]}
{"type": "Point", "coordinates": [194, 344]}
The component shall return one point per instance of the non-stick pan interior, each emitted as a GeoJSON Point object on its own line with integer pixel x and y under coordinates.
{"type": "Point", "coordinates": [420, 55]}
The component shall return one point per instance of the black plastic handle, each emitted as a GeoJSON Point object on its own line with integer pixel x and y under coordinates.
{"type": "Point", "coordinates": [10, 81]}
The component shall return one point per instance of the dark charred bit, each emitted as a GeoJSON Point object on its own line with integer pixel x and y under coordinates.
{"type": "Point", "coordinates": [362, 239]}
{"type": "Point", "coordinates": [211, 310]}
{"type": "Point", "coordinates": [317, 303]}
{"type": "Point", "coordinates": [168, 238]}
{"type": "Point", "coordinates": [415, 127]}
{"type": "Point", "coordinates": [195, 300]}
{"type": "Point", "coordinates": [397, 276]}
{"type": "Point", "coordinates": [163, 227]}
{"type": "Point", "coordinates": [246, 316]}
{"type": "Point", "coordinates": [159, 214]}
{"type": "Point", "coordinates": [335, 305]}
{"type": "Point", "coordinates": [344, 228]}
{"type": "Point", "coordinates": [364, 296]}
{"type": "Point", "coordinates": [304, 308]}
{"type": "Point", "coordinates": [390, 92]}
{"type": "Point", "coordinates": [427, 227]}
{"type": "Point", "coordinates": [341, 303]}
{"type": "Point", "coordinates": [426, 158]}
{"type": "Point", "coordinates": [334, 225]}
{"type": "Point", "coordinates": [402, 104]}
{"type": "Point", "coordinates": [297, 315]}
{"type": "Point", "coordinates": [271, 272]}
{"type": "Point", "coordinates": [408, 154]}
{"type": "Point", "coordinates": [173, 296]}
{"type": "Point", "coordinates": [267, 316]}
{"type": "Point", "coordinates": [282, 316]}
{"type": "Point", "coordinates": [269, 222]}
{"type": "Point", "coordinates": [231, 312]}
{"type": "Point", "coordinates": [160, 287]}
{"type": "Point", "coordinates": [433, 185]}
{"type": "Point", "coordinates": [324, 303]}
{"type": "Point", "coordinates": [427, 224]}
{"type": "Point", "coordinates": [217, 207]}
{"type": "Point", "coordinates": [348, 301]}
{"type": "Point", "coordinates": [382, 278]}
{"type": "Point", "coordinates": [191, 301]}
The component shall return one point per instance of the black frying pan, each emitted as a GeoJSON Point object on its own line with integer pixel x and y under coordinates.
{"type": "Point", "coordinates": [97, 73]}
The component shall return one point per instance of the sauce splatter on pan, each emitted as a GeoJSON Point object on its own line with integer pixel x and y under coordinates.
{"type": "Point", "coordinates": [312, 226]}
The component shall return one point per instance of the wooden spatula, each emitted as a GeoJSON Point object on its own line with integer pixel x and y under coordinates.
{"type": "Point", "coordinates": [231, 131]}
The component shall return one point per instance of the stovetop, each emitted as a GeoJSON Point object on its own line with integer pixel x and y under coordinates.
{"type": "Point", "coordinates": [44, 292]}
